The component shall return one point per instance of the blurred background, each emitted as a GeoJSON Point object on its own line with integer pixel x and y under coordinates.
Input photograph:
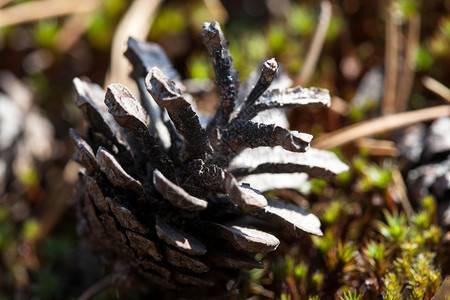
{"type": "Point", "coordinates": [386, 64]}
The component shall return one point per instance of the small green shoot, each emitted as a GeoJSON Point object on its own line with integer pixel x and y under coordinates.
{"type": "Point", "coordinates": [395, 229]}
{"type": "Point", "coordinates": [351, 296]}
{"type": "Point", "coordinates": [31, 230]}
{"type": "Point", "coordinates": [317, 279]}
{"type": "Point", "coordinates": [300, 271]}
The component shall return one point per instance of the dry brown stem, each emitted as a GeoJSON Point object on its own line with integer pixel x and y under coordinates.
{"type": "Point", "coordinates": [74, 27]}
{"type": "Point", "coordinates": [436, 87]}
{"type": "Point", "coordinates": [378, 125]}
{"type": "Point", "coordinates": [135, 23]}
{"type": "Point", "coordinates": [5, 2]}
{"type": "Point", "coordinates": [378, 147]}
{"type": "Point", "coordinates": [339, 106]}
{"type": "Point", "coordinates": [391, 62]}
{"type": "Point", "coordinates": [38, 10]}
{"type": "Point", "coordinates": [406, 80]}
{"type": "Point", "coordinates": [400, 188]}
{"type": "Point", "coordinates": [316, 45]}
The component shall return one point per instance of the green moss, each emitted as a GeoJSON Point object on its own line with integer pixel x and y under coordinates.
{"type": "Point", "coordinates": [31, 230]}
{"type": "Point", "coordinates": [29, 177]}
{"type": "Point", "coordinates": [114, 7]}
{"type": "Point", "coordinates": [317, 279]}
{"type": "Point", "coordinates": [4, 214]}
{"type": "Point", "coordinates": [324, 243]}
{"type": "Point", "coordinates": [413, 269]}
{"type": "Point", "coordinates": [276, 37]}
{"type": "Point", "coordinates": [345, 253]}
{"type": "Point", "coordinates": [424, 59]}
{"type": "Point", "coordinates": [374, 176]}
{"type": "Point", "coordinates": [313, 186]}
{"type": "Point", "coordinates": [375, 251]}
{"type": "Point", "coordinates": [332, 213]}
{"type": "Point", "coordinates": [395, 229]}
{"type": "Point", "coordinates": [334, 28]}
{"type": "Point", "coordinates": [285, 297]}
{"type": "Point", "coordinates": [170, 20]}
{"type": "Point", "coordinates": [301, 20]}
{"type": "Point", "coordinates": [199, 67]}
{"type": "Point", "coordinates": [351, 296]}
{"type": "Point", "coordinates": [45, 32]}
{"type": "Point", "coordinates": [300, 271]}
{"type": "Point", "coordinates": [406, 7]}
{"type": "Point", "coordinates": [99, 32]}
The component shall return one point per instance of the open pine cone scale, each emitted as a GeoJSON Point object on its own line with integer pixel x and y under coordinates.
{"type": "Point", "coordinates": [164, 196]}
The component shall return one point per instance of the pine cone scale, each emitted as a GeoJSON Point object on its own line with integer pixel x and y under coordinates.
{"type": "Point", "coordinates": [181, 240]}
{"type": "Point", "coordinates": [180, 111]}
{"type": "Point", "coordinates": [181, 260]}
{"type": "Point", "coordinates": [143, 246]}
{"type": "Point", "coordinates": [114, 171]}
{"type": "Point", "coordinates": [176, 195]}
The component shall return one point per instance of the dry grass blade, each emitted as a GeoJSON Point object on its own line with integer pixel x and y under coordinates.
{"type": "Point", "coordinates": [339, 106]}
{"type": "Point", "coordinates": [5, 2]}
{"type": "Point", "coordinates": [378, 147]}
{"type": "Point", "coordinates": [407, 78]}
{"type": "Point", "coordinates": [378, 125]}
{"type": "Point", "coordinates": [38, 10]}
{"type": "Point", "coordinates": [74, 27]}
{"type": "Point", "coordinates": [436, 87]}
{"type": "Point", "coordinates": [316, 44]}
{"type": "Point", "coordinates": [391, 62]}
{"type": "Point", "coordinates": [135, 23]}
{"type": "Point", "coordinates": [400, 187]}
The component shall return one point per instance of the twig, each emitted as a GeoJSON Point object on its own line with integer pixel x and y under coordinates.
{"type": "Point", "coordinates": [38, 10]}
{"type": "Point", "coordinates": [74, 27]}
{"type": "Point", "coordinates": [316, 45]}
{"type": "Point", "coordinates": [378, 125]}
{"type": "Point", "coordinates": [407, 78]}
{"type": "Point", "coordinates": [436, 87]}
{"type": "Point", "coordinates": [339, 106]}
{"type": "Point", "coordinates": [98, 287]}
{"type": "Point", "coordinates": [135, 23]}
{"type": "Point", "coordinates": [378, 147]}
{"type": "Point", "coordinates": [400, 186]}
{"type": "Point", "coordinates": [391, 62]}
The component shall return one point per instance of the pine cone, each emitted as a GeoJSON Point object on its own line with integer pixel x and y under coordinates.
{"type": "Point", "coordinates": [425, 154]}
{"type": "Point", "coordinates": [167, 197]}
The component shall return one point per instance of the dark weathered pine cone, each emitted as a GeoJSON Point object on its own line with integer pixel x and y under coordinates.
{"type": "Point", "coordinates": [425, 154]}
{"type": "Point", "coordinates": [165, 196]}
